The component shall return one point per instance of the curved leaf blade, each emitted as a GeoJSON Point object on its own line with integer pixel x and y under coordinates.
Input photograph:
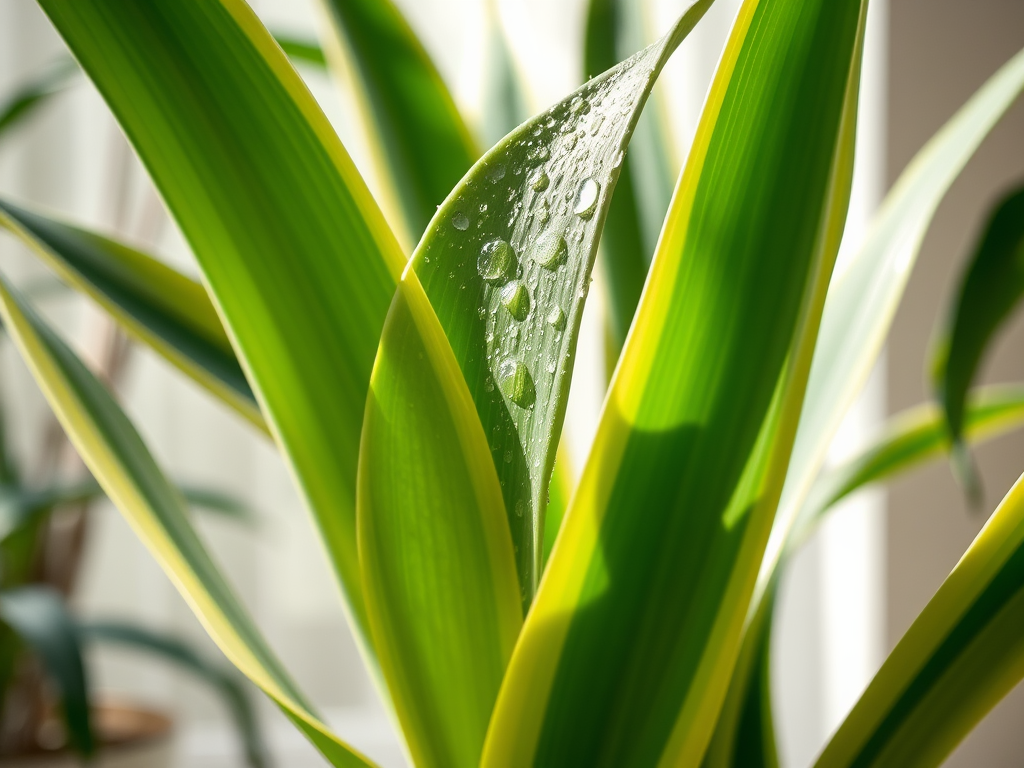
{"type": "Point", "coordinates": [175, 650]}
{"type": "Point", "coordinates": [298, 258]}
{"type": "Point", "coordinates": [911, 438]}
{"type": "Point", "coordinates": [438, 567]}
{"type": "Point", "coordinates": [120, 461]}
{"type": "Point", "coordinates": [627, 651]}
{"type": "Point", "coordinates": [863, 298]}
{"type": "Point", "coordinates": [959, 658]}
{"type": "Point", "coordinates": [506, 263]}
{"type": "Point", "coordinates": [990, 289]}
{"type": "Point", "coordinates": [158, 305]}
{"type": "Point", "coordinates": [302, 51]}
{"type": "Point", "coordinates": [38, 615]}
{"type": "Point", "coordinates": [505, 104]}
{"type": "Point", "coordinates": [615, 30]}
{"type": "Point", "coordinates": [422, 142]}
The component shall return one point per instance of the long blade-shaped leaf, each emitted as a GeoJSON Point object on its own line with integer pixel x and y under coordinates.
{"type": "Point", "coordinates": [507, 262]}
{"type": "Point", "coordinates": [861, 303]}
{"type": "Point", "coordinates": [912, 437]}
{"type": "Point", "coordinates": [958, 659]}
{"type": "Point", "coordinates": [119, 460]}
{"type": "Point", "coordinates": [626, 653]}
{"type": "Point", "coordinates": [991, 288]}
{"type": "Point", "coordinates": [743, 736]}
{"type": "Point", "coordinates": [161, 307]}
{"type": "Point", "coordinates": [226, 682]}
{"type": "Point", "coordinates": [300, 261]}
{"type": "Point", "coordinates": [438, 566]}
{"type": "Point", "coordinates": [419, 136]}
{"type": "Point", "coordinates": [615, 30]}
{"type": "Point", "coordinates": [863, 298]}
{"type": "Point", "coordinates": [505, 102]}
{"type": "Point", "coordinates": [38, 615]}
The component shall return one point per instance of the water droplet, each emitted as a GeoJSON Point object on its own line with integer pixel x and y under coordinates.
{"type": "Point", "coordinates": [460, 221]}
{"type": "Point", "coordinates": [497, 262]}
{"type": "Point", "coordinates": [540, 180]}
{"type": "Point", "coordinates": [519, 508]}
{"type": "Point", "coordinates": [489, 386]}
{"type": "Point", "coordinates": [497, 173]}
{"type": "Point", "coordinates": [556, 318]}
{"type": "Point", "coordinates": [618, 159]}
{"type": "Point", "coordinates": [482, 312]}
{"type": "Point", "coordinates": [586, 201]}
{"type": "Point", "coordinates": [516, 383]}
{"type": "Point", "coordinates": [483, 207]}
{"type": "Point", "coordinates": [550, 251]}
{"type": "Point", "coordinates": [545, 214]}
{"type": "Point", "coordinates": [551, 367]}
{"type": "Point", "coordinates": [508, 457]}
{"type": "Point", "coordinates": [516, 299]}
{"type": "Point", "coordinates": [579, 106]}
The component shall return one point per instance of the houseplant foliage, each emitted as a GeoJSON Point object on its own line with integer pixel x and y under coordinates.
{"type": "Point", "coordinates": [418, 393]}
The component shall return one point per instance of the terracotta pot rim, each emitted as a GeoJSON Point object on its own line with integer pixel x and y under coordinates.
{"type": "Point", "coordinates": [119, 724]}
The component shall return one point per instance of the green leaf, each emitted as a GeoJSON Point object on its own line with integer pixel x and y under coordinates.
{"type": "Point", "coordinates": [863, 297]}
{"type": "Point", "coordinates": [438, 566]}
{"type": "Point", "coordinates": [615, 30]}
{"type": "Point", "coordinates": [959, 658]}
{"type": "Point", "coordinates": [38, 615]}
{"type": "Point", "coordinates": [861, 303]}
{"type": "Point", "coordinates": [302, 51]}
{"type": "Point", "coordinates": [505, 103]}
{"type": "Point", "coordinates": [159, 306]}
{"type": "Point", "coordinates": [225, 681]}
{"type": "Point", "coordinates": [627, 651]}
{"type": "Point", "coordinates": [912, 437]}
{"type": "Point", "coordinates": [421, 143]}
{"type": "Point", "coordinates": [506, 263]}
{"type": "Point", "coordinates": [745, 734]}
{"type": "Point", "coordinates": [20, 506]}
{"type": "Point", "coordinates": [990, 289]}
{"type": "Point", "coordinates": [300, 262]}
{"type": "Point", "coordinates": [120, 461]}
{"type": "Point", "coordinates": [30, 96]}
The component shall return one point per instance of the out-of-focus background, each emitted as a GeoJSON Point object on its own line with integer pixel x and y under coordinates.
{"type": "Point", "coordinates": [848, 597]}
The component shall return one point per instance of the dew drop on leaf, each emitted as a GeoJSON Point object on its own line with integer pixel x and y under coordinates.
{"type": "Point", "coordinates": [460, 221]}
{"type": "Point", "coordinates": [586, 201]}
{"type": "Point", "coordinates": [497, 262]}
{"type": "Point", "coordinates": [540, 180]}
{"type": "Point", "coordinates": [556, 318]}
{"type": "Point", "coordinates": [516, 383]}
{"type": "Point", "coordinates": [516, 299]}
{"type": "Point", "coordinates": [550, 251]}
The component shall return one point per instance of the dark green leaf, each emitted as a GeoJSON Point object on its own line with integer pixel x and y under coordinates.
{"type": "Point", "coordinates": [423, 142]}
{"type": "Point", "coordinates": [298, 258]}
{"type": "Point", "coordinates": [302, 51]}
{"type": "Point", "coordinates": [225, 680]}
{"type": "Point", "coordinates": [160, 306]}
{"type": "Point", "coordinates": [118, 458]}
{"type": "Point", "coordinates": [41, 619]}
{"type": "Point", "coordinates": [507, 265]}
{"type": "Point", "coordinates": [628, 648]}
{"type": "Point", "coordinates": [990, 289]}
{"type": "Point", "coordinates": [614, 31]}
